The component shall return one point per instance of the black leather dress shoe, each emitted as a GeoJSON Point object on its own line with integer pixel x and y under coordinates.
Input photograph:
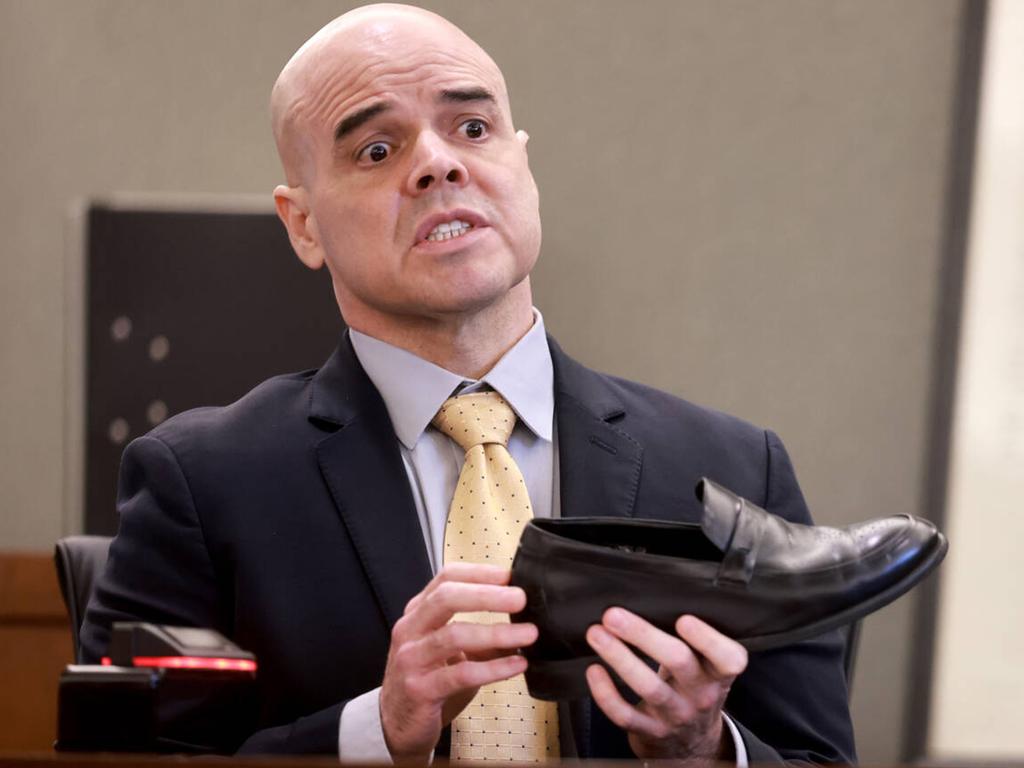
{"type": "Point", "coordinates": [750, 574]}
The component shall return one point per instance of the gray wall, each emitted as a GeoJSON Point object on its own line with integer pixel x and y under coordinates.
{"type": "Point", "coordinates": [742, 204]}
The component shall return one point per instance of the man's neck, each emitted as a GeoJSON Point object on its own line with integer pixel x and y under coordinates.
{"type": "Point", "coordinates": [467, 344]}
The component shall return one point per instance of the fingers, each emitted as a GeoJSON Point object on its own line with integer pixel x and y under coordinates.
{"type": "Point", "coordinates": [705, 650]}
{"type": "Point", "coordinates": [416, 704]}
{"type": "Point", "coordinates": [426, 645]}
{"type": "Point", "coordinates": [724, 658]}
{"type": "Point", "coordinates": [620, 711]}
{"type": "Point", "coordinates": [674, 656]}
{"type": "Point", "coordinates": [478, 573]}
{"type": "Point", "coordinates": [469, 589]}
{"type": "Point", "coordinates": [449, 598]}
{"type": "Point", "coordinates": [473, 640]}
{"type": "Point", "coordinates": [684, 695]}
{"type": "Point", "coordinates": [435, 664]}
{"type": "Point", "coordinates": [443, 682]}
{"type": "Point", "coordinates": [637, 675]}
{"type": "Point", "coordinates": [470, 573]}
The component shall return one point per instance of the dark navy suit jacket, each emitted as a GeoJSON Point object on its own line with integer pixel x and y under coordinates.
{"type": "Point", "coordinates": [285, 522]}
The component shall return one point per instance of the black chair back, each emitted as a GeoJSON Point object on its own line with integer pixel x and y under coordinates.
{"type": "Point", "coordinates": [79, 561]}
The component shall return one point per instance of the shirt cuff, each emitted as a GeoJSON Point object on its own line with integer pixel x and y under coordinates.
{"type": "Point", "coordinates": [737, 740]}
{"type": "Point", "coordinates": [360, 733]}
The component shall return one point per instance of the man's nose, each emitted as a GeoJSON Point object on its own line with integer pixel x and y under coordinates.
{"type": "Point", "coordinates": [435, 162]}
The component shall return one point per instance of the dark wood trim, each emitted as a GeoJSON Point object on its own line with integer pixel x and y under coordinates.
{"type": "Point", "coordinates": [36, 644]}
{"type": "Point", "coordinates": [28, 589]}
{"type": "Point", "coordinates": [964, 120]}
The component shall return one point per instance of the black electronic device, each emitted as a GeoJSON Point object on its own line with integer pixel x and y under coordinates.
{"type": "Point", "coordinates": [134, 644]}
{"type": "Point", "coordinates": [132, 702]}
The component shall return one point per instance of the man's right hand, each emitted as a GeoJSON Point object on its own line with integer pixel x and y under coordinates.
{"type": "Point", "coordinates": [435, 667]}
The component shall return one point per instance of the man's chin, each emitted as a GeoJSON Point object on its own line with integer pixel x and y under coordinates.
{"type": "Point", "coordinates": [476, 299]}
{"type": "Point", "coordinates": [457, 296]}
{"type": "Point", "coordinates": [475, 289]}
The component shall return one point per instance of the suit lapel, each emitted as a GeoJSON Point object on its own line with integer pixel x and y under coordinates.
{"type": "Point", "coordinates": [599, 463]}
{"type": "Point", "coordinates": [362, 465]}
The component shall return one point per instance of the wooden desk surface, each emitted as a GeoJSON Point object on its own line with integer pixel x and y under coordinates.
{"type": "Point", "coordinates": [116, 760]}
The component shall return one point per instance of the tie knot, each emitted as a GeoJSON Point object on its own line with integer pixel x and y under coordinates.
{"type": "Point", "coordinates": [476, 419]}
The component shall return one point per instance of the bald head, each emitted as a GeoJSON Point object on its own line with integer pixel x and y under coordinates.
{"type": "Point", "coordinates": [344, 56]}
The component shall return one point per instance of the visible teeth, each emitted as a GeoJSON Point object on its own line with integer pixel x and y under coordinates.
{"type": "Point", "coordinates": [448, 230]}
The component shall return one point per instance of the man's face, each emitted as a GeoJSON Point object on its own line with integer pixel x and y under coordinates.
{"type": "Point", "coordinates": [418, 187]}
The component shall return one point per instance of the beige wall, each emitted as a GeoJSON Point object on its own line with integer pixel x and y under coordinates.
{"type": "Point", "coordinates": [743, 205]}
{"type": "Point", "coordinates": [981, 641]}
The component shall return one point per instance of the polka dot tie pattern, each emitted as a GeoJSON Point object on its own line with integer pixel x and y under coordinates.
{"type": "Point", "coordinates": [488, 512]}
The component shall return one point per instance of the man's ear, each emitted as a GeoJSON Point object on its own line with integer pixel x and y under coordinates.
{"type": "Point", "coordinates": [293, 210]}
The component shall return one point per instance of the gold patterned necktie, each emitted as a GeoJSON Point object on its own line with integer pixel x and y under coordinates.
{"type": "Point", "coordinates": [490, 507]}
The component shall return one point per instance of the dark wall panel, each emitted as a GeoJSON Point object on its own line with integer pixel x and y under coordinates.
{"type": "Point", "coordinates": [187, 309]}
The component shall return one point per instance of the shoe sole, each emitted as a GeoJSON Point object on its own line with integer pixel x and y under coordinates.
{"type": "Point", "coordinates": [565, 680]}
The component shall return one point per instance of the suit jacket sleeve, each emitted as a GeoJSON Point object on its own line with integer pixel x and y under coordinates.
{"type": "Point", "coordinates": [795, 696]}
{"type": "Point", "coordinates": [161, 571]}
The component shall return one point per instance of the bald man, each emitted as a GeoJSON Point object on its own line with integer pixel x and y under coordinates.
{"type": "Point", "coordinates": [307, 520]}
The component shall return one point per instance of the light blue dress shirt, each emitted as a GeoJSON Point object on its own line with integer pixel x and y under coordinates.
{"type": "Point", "coordinates": [413, 391]}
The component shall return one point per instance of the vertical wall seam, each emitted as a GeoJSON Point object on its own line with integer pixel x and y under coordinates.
{"type": "Point", "coordinates": [945, 351]}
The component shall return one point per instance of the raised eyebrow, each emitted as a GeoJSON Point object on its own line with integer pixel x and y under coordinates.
{"type": "Point", "coordinates": [356, 119]}
{"type": "Point", "coordinates": [466, 94]}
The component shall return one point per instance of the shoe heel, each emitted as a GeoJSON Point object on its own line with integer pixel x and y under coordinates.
{"type": "Point", "coordinates": [559, 680]}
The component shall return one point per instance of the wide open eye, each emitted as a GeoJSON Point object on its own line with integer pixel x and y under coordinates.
{"type": "Point", "coordinates": [474, 129]}
{"type": "Point", "coordinates": [376, 152]}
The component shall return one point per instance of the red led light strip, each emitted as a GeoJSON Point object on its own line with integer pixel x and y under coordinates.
{"type": "Point", "coordinates": [190, 662]}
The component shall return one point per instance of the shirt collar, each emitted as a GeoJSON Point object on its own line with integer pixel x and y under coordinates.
{"type": "Point", "coordinates": [414, 389]}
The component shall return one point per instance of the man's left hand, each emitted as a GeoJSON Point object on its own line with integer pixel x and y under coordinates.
{"type": "Point", "coordinates": [680, 711]}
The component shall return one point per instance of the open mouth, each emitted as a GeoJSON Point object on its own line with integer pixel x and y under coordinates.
{"type": "Point", "coordinates": [448, 230]}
